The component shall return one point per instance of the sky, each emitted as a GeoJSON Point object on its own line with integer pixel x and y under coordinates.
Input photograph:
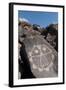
{"type": "Point", "coordinates": [41, 18]}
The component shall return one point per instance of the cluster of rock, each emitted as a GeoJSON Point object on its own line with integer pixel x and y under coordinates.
{"type": "Point", "coordinates": [38, 56]}
{"type": "Point", "coordinates": [50, 33]}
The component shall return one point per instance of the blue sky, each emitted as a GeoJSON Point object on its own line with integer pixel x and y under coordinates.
{"type": "Point", "coordinates": [41, 18]}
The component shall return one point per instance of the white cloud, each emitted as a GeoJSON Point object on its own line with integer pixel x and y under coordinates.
{"type": "Point", "coordinates": [55, 23]}
{"type": "Point", "coordinates": [23, 19]}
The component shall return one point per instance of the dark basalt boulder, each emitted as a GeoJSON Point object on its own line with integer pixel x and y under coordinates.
{"type": "Point", "coordinates": [51, 35]}
{"type": "Point", "coordinates": [36, 55]}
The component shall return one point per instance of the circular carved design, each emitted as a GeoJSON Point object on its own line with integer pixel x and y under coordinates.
{"type": "Point", "coordinates": [41, 57]}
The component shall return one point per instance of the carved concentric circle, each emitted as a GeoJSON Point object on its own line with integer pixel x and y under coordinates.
{"type": "Point", "coordinates": [41, 57]}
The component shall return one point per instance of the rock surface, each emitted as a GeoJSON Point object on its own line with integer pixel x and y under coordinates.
{"type": "Point", "coordinates": [42, 58]}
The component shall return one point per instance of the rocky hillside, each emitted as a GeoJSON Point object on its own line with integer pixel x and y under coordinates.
{"type": "Point", "coordinates": [36, 54]}
{"type": "Point", "coordinates": [50, 33]}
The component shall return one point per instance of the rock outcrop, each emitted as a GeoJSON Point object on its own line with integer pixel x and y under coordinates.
{"type": "Point", "coordinates": [36, 52]}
